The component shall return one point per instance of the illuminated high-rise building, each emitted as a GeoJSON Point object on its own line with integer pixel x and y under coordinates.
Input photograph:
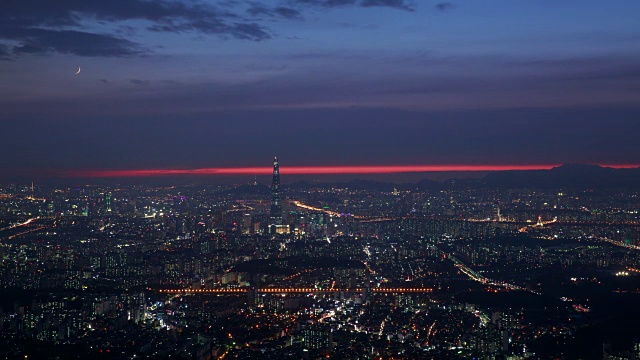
{"type": "Point", "coordinates": [276, 205]}
{"type": "Point", "coordinates": [247, 225]}
{"type": "Point", "coordinates": [108, 202]}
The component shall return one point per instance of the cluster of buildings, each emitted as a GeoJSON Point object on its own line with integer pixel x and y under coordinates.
{"type": "Point", "coordinates": [351, 271]}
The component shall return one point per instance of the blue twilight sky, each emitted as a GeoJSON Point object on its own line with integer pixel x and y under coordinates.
{"type": "Point", "coordinates": [187, 83]}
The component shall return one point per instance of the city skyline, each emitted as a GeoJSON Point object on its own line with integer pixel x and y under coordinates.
{"type": "Point", "coordinates": [522, 267]}
{"type": "Point", "coordinates": [216, 84]}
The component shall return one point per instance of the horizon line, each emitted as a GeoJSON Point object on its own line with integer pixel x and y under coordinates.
{"type": "Point", "coordinates": [321, 170]}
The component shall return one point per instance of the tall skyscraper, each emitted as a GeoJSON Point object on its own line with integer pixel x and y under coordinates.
{"type": "Point", "coordinates": [108, 201]}
{"type": "Point", "coordinates": [276, 205]}
{"type": "Point", "coordinates": [247, 224]}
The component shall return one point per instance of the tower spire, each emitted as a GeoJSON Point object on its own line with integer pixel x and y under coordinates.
{"type": "Point", "coordinates": [276, 205]}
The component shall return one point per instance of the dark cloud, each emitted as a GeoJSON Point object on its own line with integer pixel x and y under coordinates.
{"type": "Point", "coordinates": [5, 54]}
{"type": "Point", "coordinates": [42, 41]}
{"type": "Point", "coordinates": [287, 12]}
{"type": "Point", "coordinates": [397, 4]}
{"type": "Point", "coordinates": [173, 15]}
{"type": "Point", "coordinates": [140, 82]}
{"type": "Point", "coordinates": [325, 3]}
{"type": "Point", "coordinates": [444, 6]}
{"type": "Point", "coordinates": [43, 26]}
{"type": "Point", "coordinates": [258, 9]}
{"type": "Point", "coordinates": [240, 30]}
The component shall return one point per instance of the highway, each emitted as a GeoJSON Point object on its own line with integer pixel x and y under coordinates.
{"type": "Point", "coordinates": [29, 221]}
{"type": "Point", "coordinates": [244, 290]}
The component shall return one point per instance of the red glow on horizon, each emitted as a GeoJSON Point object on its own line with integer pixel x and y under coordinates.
{"type": "Point", "coordinates": [317, 170]}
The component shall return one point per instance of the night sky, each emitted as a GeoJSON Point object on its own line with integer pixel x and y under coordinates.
{"type": "Point", "coordinates": [232, 83]}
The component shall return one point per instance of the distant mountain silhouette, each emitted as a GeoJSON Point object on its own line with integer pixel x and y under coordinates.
{"type": "Point", "coordinates": [427, 184]}
{"type": "Point", "coordinates": [250, 189]}
{"type": "Point", "coordinates": [462, 183]}
{"type": "Point", "coordinates": [564, 176]}
{"type": "Point", "coordinates": [569, 175]}
{"type": "Point", "coordinates": [357, 184]}
{"type": "Point", "coordinates": [299, 185]}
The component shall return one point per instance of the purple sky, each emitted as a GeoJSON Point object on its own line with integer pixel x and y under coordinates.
{"type": "Point", "coordinates": [186, 83]}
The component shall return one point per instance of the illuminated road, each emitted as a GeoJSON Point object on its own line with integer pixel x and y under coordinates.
{"type": "Point", "coordinates": [337, 214]}
{"type": "Point", "coordinates": [379, 219]}
{"type": "Point", "coordinates": [540, 224]}
{"type": "Point", "coordinates": [480, 278]}
{"type": "Point", "coordinates": [621, 244]}
{"type": "Point", "coordinates": [26, 232]}
{"type": "Point", "coordinates": [313, 208]}
{"type": "Point", "coordinates": [239, 291]}
{"type": "Point", "coordinates": [527, 227]}
{"type": "Point", "coordinates": [19, 224]}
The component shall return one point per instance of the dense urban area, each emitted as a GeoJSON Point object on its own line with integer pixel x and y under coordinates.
{"type": "Point", "coordinates": [356, 270]}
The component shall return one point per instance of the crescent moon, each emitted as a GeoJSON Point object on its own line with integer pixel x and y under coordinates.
{"type": "Point", "coordinates": [78, 72]}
